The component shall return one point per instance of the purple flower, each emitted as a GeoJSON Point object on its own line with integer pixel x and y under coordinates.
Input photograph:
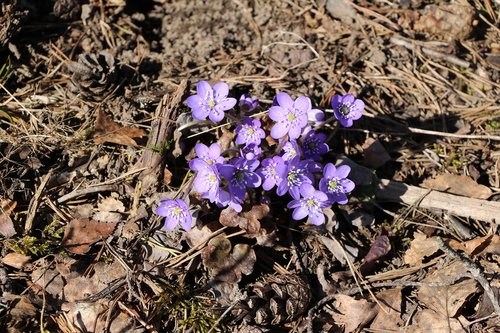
{"type": "Point", "coordinates": [211, 102]}
{"type": "Point", "coordinates": [270, 171]}
{"type": "Point", "coordinates": [314, 146]}
{"type": "Point", "coordinates": [240, 176]}
{"type": "Point", "coordinates": [249, 132]}
{"type": "Point", "coordinates": [291, 116]}
{"type": "Point", "coordinates": [247, 103]}
{"type": "Point", "coordinates": [296, 173]}
{"type": "Point", "coordinates": [175, 212]}
{"type": "Point", "coordinates": [211, 154]}
{"type": "Point", "coordinates": [251, 151]}
{"type": "Point", "coordinates": [311, 204]}
{"type": "Point", "coordinates": [207, 182]}
{"type": "Point", "coordinates": [315, 116]}
{"type": "Point", "coordinates": [346, 109]}
{"type": "Point", "coordinates": [291, 149]}
{"type": "Point", "coordinates": [335, 183]}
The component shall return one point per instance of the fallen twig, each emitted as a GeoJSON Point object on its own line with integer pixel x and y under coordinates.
{"type": "Point", "coordinates": [96, 189]}
{"type": "Point", "coordinates": [474, 270]}
{"type": "Point", "coordinates": [457, 205]}
{"type": "Point", "coordinates": [35, 202]}
{"type": "Point", "coordinates": [432, 53]}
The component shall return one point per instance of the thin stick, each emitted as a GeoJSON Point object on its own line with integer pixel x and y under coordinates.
{"type": "Point", "coordinates": [474, 270]}
{"type": "Point", "coordinates": [35, 202]}
{"type": "Point", "coordinates": [97, 189]}
{"type": "Point", "coordinates": [435, 54]}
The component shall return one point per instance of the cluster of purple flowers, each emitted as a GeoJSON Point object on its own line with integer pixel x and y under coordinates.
{"type": "Point", "coordinates": [296, 170]}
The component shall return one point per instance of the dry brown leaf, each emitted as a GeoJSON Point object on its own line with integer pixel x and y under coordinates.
{"type": "Point", "coordinates": [226, 139]}
{"type": "Point", "coordinates": [389, 317]}
{"type": "Point", "coordinates": [420, 248]}
{"type": "Point", "coordinates": [6, 226]}
{"type": "Point", "coordinates": [353, 314]}
{"type": "Point", "coordinates": [110, 217]}
{"type": "Point", "coordinates": [339, 250]}
{"type": "Point", "coordinates": [80, 234]}
{"type": "Point", "coordinates": [107, 130]}
{"type": "Point", "coordinates": [79, 287]}
{"type": "Point", "coordinates": [447, 300]}
{"type": "Point", "coordinates": [48, 280]}
{"type": "Point", "coordinates": [86, 316]}
{"type": "Point", "coordinates": [457, 184]}
{"type": "Point", "coordinates": [227, 265]}
{"type": "Point", "coordinates": [478, 246]}
{"type": "Point", "coordinates": [427, 321]}
{"type": "Point", "coordinates": [111, 204]}
{"type": "Point", "coordinates": [16, 260]}
{"type": "Point", "coordinates": [249, 221]}
{"type": "Point", "coordinates": [20, 308]}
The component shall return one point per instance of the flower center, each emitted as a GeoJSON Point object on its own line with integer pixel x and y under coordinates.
{"type": "Point", "coordinates": [211, 103]}
{"type": "Point", "coordinates": [291, 117]}
{"type": "Point", "coordinates": [311, 203]}
{"type": "Point", "coordinates": [177, 211]}
{"type": "Point", "coordinates": [334, 186]}
{"type": "Point", "coordinates": [250, 131]}
{"type": "Point", "coordinates": [239, 175]}
{"type": "Point", "coordinates": [311, 145]}
{"type": "Point", "coordinates": [344, 110]}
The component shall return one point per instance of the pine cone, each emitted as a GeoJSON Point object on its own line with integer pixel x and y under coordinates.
{"type": "Point", "coordinates": [95, 75]}
{"type": "Point", "coordinates": [277, 299]}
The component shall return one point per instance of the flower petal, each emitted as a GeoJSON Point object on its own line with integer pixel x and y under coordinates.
{"type": "Point", "coordinates": [317, 219]}
{"type": "Point", "coordinates": [359, 105]}
{"type": "Point", "coordinates": [194, 101]}
{"type": "Point", "coordinates": [268, 184]}
{"type": "Point", "coordinates": [201, 150]}
{"type": "Point", "coordinates": [348, 185]}
{"type": "Point", "coordinates": [280, 129]}
{"type": "Point", "coordinates": [215, 115]}
{"type": "Point", "coordinates": [221, 90]}
{"type": "Point", "coordinates": [343, 171]}
{"type": "Point", "coordinates": [329, 171]}
{"type": "Point", "coordinates": [284, 100]}
{"type": "Point", "coordinates": [294, 192]}
{"type": "Point", "coordinates": [303, 104]}
{"type": "Point", "coordinates": [226, 171]}
{"type": "Point", "coordinates": [204, 89]}
{"type": "Point", "coordinates": [201, 112]}
{"type": "Point", "coordinates": [162, 210]}
{"type": "Point", "coordinates": [336, 102]}
{"type": "Point", "coordinates": [226, 104]}
{"type": "Point", "coordinates": [294, 132]}
{"type": "Point", "coordinates": [277, 113]}
{"type": "Point", "coordinates": [348, 99]}
{"type": "Point", "coordinates": [170, 223]}
{"type": "Point", "coordinates": [315, 116]}
{"type": "Point", "coordinates": [307, 190]}
{"type": "Point", "coordinates": [187, 223]}
{"type": "Point", "coordinates": [299, 213]}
